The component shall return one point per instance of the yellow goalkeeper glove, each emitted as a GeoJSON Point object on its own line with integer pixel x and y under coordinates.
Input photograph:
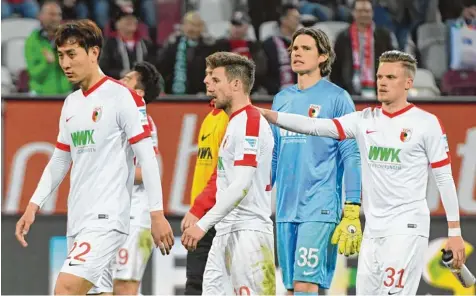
{"type": "Point", "coordinates": [348, 234]}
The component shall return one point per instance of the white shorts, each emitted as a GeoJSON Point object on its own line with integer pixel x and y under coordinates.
{"type": "Point", "coordinates": [132, 257]}
{"type": "Point", "coordinates": [391, 265]}
{"type": "Point", "coordinates": [241, 263]}
{"type": "Point", "coordinates": [91, 256]}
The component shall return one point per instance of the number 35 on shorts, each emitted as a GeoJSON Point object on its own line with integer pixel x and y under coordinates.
{"type": "Point", "coordinates": [308, 257]}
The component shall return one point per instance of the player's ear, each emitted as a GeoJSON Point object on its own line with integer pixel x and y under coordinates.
{"type": "Point", "coordinates": [409, 83]}
{"type": "Point", "coordinates": [322, 58]}
{"type": "Point", "coordinates": [94, 51]}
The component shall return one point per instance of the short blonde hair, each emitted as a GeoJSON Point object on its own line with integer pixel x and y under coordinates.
{"type": "Point", "coordinates": [408, 61]}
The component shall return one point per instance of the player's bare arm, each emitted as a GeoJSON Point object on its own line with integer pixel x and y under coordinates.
{"type": "Point", "coordinates": [161, 230]}
{"type": "Point", "coordinates": [54, 173]}
{"type": "Point", "coordinates": [232, 196]}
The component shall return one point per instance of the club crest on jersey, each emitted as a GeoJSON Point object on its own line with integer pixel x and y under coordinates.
{"type": "Point", "coordinates": [314, 110]}
{"type": "Point", "coordinates": [406, 135]}
{"type": "Point", "coordinates": [97, 113]}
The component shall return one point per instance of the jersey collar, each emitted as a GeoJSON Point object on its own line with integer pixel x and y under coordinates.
{"type": "Point", "coordinates": [247, 107]}
{"type": "Point", "coordinates": [399, 112]}
{"type": "Point", "coordinates": [95, 86]}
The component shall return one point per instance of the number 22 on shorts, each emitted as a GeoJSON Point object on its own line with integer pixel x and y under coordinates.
{"type": "Point", "coordinates": [83, 248]}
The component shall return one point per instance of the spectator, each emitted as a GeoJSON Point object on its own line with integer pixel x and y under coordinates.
{"type": "Point", "coordinates": [45, 75]}
{"type": "Point", "coordinates": [237, 42]}
{"type": "Point", "coordinates": [74, 9]}
{"type": "Point", "coordinates": [326, 10]}
{"type": "Point", "coordinates": [356, 59]}
{"type": "Point", "coordinates": [122, 51]}
{"type": "Point", "coordinates": [181, 61]}
{"type": "Point", "coordinates": [26, 8]}
{"type": "Point", "coordinates": [279, 74]}
{"type": "Point", "coordinates": [453, 9]}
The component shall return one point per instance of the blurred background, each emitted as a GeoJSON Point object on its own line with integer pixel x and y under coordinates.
{"type": "Point", "coordinates": [440, 33]}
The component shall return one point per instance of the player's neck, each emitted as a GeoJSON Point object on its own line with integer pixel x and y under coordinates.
{"type": "Point", "coordinates": [91, 80]}
{"type": "Point", "coordinates": [395, 106]}
{"type": "Point", "coordinates": [309, 79]}
{"type": "Point", "coordinates": [237, 104]}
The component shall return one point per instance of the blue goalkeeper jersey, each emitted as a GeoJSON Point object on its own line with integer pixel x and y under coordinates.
{"type": "Point", "coordinates": [309, 170]}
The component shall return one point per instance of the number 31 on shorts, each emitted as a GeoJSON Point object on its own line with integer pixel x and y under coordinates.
{"type": "Point", "coordinates": [308, 256]}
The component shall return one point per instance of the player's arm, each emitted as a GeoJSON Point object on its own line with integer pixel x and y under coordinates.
{"type": "Point", "coordinates": [53, 174]}
{"type": "Point", "coordinates": [338, 128]}
{"type": "Point", "coordinates": [207, 198]}
{"type": "Point", "coordinates": [350, 155]}
{"type": "Point", "coordinates": [274, 160]}
{"type": "Point", "coordinates": [132, 119]}
{"type": "Point", "coordinates": [153, 133]}
{"type": "Point", "coordinates": [437, 150]}
{"type": "Point", "coordinates": [243, 171]}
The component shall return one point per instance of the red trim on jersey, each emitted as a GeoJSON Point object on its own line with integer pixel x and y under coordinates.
{"type": "Point", "coordinates": [441, 163]}
{"type": "Point", "coordinates": [139, 137]}
{"type": "Point", "coordinates": [207, 198]}
{"type": "Point", "coordinates": [216, 111]}
{"type": "Point", "coordinates": [95, 86]}
{"type": "Point", "coordinates": [340, 129]}
{"type": "Point", "coordinates": [399, 112]}
{"type": "Point", "coordinates": [252, 130]}
{"type": "Point", "coordinates": [247, 107]}
{"type": "Point", "coordinates": [63, 147]}
{"type": "Point", "coordinates": [269, 187]}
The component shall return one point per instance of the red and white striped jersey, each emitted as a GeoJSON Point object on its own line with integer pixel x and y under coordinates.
{"type": "Point", "coordinates": [98, 128]}
{"type": "Point", "coordinates": [140, 213]}
{"type": "Point", "coordinates": [397, 150]}
{"type": "Point", "coordinates": [248, 141]}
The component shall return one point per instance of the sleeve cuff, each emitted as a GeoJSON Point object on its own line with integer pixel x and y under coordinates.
{"type": "Point", "coordinates": [143, 135]}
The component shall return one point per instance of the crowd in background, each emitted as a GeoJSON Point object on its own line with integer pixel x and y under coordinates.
{"type": "Point", "coordinates": [440, 33]}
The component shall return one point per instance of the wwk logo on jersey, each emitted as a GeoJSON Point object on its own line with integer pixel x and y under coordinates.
{"type": "Point", "coordinates": [250, 146]}
{"type": "Point", "coordinates": [385, 157]}
{"type": "Point", "coordinates": [220, 165]}
{"type": "Point", "coordinates": [314, 110]}
{"type": "Point", "coordinates": [82, 140]}
{"type": "Point", "coordinates": [406, 135]}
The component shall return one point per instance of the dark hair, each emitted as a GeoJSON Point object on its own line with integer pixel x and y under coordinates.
{"type": "Point", "coordinates": [355, 2]}
{"type": "Point", "coordinates": [236, 67]}
{"type": "Point", "coordinates": [148, 80]}
{"type": "Point", "coordinates": [395, 56]}
{"type": "Point", "coordinates": [84, 32]}
{"type": "Point", "coordinates": [324, 47]}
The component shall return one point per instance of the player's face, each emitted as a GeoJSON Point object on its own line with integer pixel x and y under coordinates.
{"type": "Point", "coordinates": [130, 80]}
{"type": "Point", "coordinates": [305, 57]}
{"type": "Point", "coordinates": [393, 82]}
{"type": "Point", "coordinates": [76, 63]}
{"type": "Point", "coordinates": [220, 89]}
{"type": "Point", "coordinates": [208, 82]}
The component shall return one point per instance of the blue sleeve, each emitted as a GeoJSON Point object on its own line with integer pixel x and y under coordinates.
{"type": "Point", "coordinates": [274, 162]}
{"type": "Point", "coordinates": [349, 153]}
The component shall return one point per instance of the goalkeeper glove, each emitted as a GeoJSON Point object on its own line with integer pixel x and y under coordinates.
{"type": "Point", "coordinates": [348, 234]}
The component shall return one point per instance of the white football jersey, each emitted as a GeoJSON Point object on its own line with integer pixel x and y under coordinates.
{"type": "Point", "coordinates": [140, 214]}
{"type": "Point", "coordinates": [396, 151]}
{"type": "Point", "coordinates": [98, 128]}
{"type": "Point", "coordinates": [248, 141]}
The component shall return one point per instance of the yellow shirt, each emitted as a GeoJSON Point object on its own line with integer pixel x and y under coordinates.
{"type": "Point", "coordinates": [209, 139]}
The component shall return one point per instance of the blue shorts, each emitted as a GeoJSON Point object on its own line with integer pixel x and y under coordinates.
{"type": "Point", "coordinates": [305, 253]}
